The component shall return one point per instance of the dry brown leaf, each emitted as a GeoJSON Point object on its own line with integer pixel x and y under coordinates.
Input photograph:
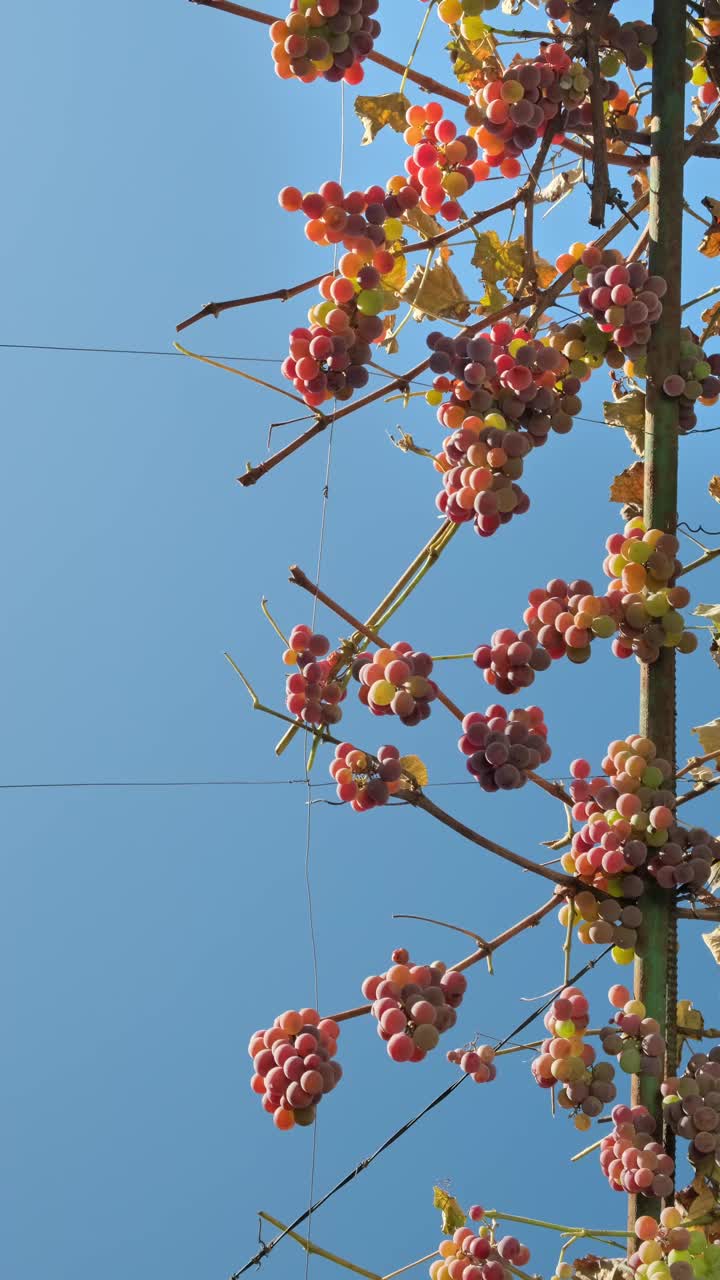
{"type": "Point", "coordinates": [436, 293]}
{"type": "Point", "coordinates": [714, 488]}
{"type": "Point", "coordinates": [628, 486]}
{"type": "Point", "coordinates": [628, 412]}
{"type": "Point", "coordinates": [711, 320]}
{"type": "Point", "coordinates": [385, 109]}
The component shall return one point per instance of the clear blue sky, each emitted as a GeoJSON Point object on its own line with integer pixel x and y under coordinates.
{"type": "Point", "coordinates": [146, 932]}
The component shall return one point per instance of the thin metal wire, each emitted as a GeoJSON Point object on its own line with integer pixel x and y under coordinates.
{"type": "Point", "coordinates": [364, 1164]}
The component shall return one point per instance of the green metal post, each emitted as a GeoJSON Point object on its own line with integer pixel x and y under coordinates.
{"type": "Point", "coordinates": [656, 966]}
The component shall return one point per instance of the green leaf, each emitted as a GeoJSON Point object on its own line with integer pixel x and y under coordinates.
{"type": "Point", "coordinates": [385, 109]}
{"type": "Point", "coordinates": [436, 293]}
{"type": "Point", "coordinates": [452, 1215]}
{"type": "Point", "coordinates": [628, 412]}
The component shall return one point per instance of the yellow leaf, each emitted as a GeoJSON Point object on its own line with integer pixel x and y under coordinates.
{"type": "Point", "coordinates": [436, 293]}
{"type": "Point", "coordinates": [500, 261]}
{"type": "Point", "coordinates": [628, 412]}
{"type": "Point", "coordinates": [628, 486]}
{"type": "Point", "coordinates": [414, 766]}
{"type": "Point", "coordinates": [708, 735]}
{"type": "Point", "coordinates": [375, 113]}
{"type": "Point", "coordinates": [714, 488]}
{"type": "Point", "coordinates": [469, 58]}
{"type": "Point", "coordinates": [452, 1215]}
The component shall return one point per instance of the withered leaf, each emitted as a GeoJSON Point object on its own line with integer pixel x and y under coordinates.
{"type": "Point", "coordinates": [436, 293]}
{"type": "Point", "coordinates": [628, 412]}
{"type": "Point", "coordinates": [714, 488]}
{"type": "Point", "coordinates": [628, 486]}
{"type": "Point", "coordinates": [377, 112]}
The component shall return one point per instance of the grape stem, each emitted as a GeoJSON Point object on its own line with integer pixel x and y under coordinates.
{"type": "Point", "coordinates": [418, 800]}
{"type": "Point", "coordinates": [580, 1232]}
{"type": "Point", "coordinates": [300, 579]}
{"type": "Point", "coordinates": [284, 295]}
{"type": "Point", "coordinates": [444, 924]}
{"type": "Point", "coordinates": [488, 948]}
{"type": "Point", "coordinates": [696, 761]}
{"type": "Point", "coordinates": [600, 187]}
{"type": "Point", "coordinates": [311, 1248]}
{"type": "Point", "coordinates": [701, 560]}
{"type": "Point", "coordinates": [408, 1267]}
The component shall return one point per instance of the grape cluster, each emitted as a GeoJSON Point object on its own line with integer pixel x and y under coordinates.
{"type": "Point", "coordinates": [633, 1038]}
{"type": "Point", "coordinates": [671, 1251]}
{"type": "Point", "coordinates": [630, 1158]}
{"type": "Point", "coordinates": [697, 379]}
{"type": "Point", "coordinates": [363, 222]}
{"type": "Point", "coordinates": [501, 749]}
{"type": "Point", "coordinates": [507, 391]}
{"type": "Point", "coordinates": [685, 860]}
{"type": "Point", "coordinates": [471, 1256]}
{"type": "Point", "coordinates": [312, 693]}
{"type": "Point", "coordinates": [622, 298]}
{"type": "Point", "coordinates": [641, 562]}
{"type": "Point", "coordinates": [605, 921]}
{"type": "Point", "coordinates": [627, 42]}
{"type": "Point", "coordinates": [510, 661]}
{"type": "Point", "coordinates": [584, 1099]}
{"type": "Point", "coordinates": [582, 341]}
{"type": "Point", "coordinates": [414, 1004]}
{"type": "Point", "coordinates": [476, 1062]}
{"type": "Point", "coordinates": [564, 1057]}
{"type": "Point", "coordinates": [328, 38]}
{"type": "Point", "coordinates": [692, 1106]}
{"type": "Point", "coordinates": [293, 1063]}
{"type": "Point", "coordinates": [444, 164]}
{"type": "Point", "coordinates": [396, 681]}
{"type": "Point", "coordinates": [365, 782]}
{"type": "Point", "coordinates": [507, 378]}
{"type": "Point", "coordinates": [327, 358]}
{"type": "Point", "coordinates": [513, 110]}
{"type": "Point", "coordinates": [566, 617]}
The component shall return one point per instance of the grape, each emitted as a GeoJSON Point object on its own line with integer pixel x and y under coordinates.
{"type": "Point", "coordinates": [516, 106]}
{"type": "Point", "coordinates": [294, 1065]}
{"type": "Point", "coordinates": [471, 1256]}
{"type": "Point", "coordinates": [313, 694]}
{"type": "Point", "coordinates": [396, 681]}
{"type": "Point", "coordinates": [691, 1106]}
{"type": "Point", "coordinates": [566, 1059]}
{"type": "Point", "coordinates": [633, 1038]}
{"type": "Point", "coordinates": [444, 165]}
{"type": "Point", "coordinates": [501, 750]}
{"type": "Point", "coordinates": [413, 1005]}
{"type": "Point", "coordinates": [367, 782]}
{"type": "Point", "coordinates": [642, 562]}
{"type": "Point", "coordinates": [631, 1159]}
{"type": "Point", "coordinates": [507, 392]}
{"type": "Point", "coordinates": [327, 359]}
{"type": "Point", "coordinates": [328, 38]}
{"type": "Point", "coordinates": [475, 1061]}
